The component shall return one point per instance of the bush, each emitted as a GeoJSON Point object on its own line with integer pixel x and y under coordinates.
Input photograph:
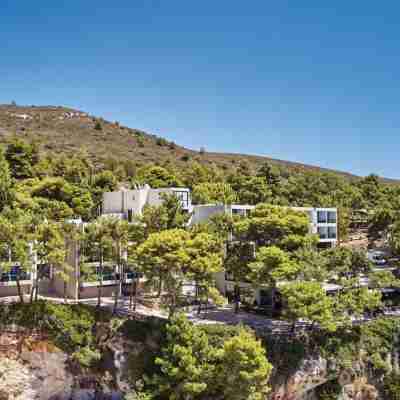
{"type": "Point", "coordinates": [70, 327]}
{"type": "Point", "coordinates": [98, 126]}
{"type": "Point", "coordinates": [391, 387]}
{"type": "Point", "coordinates": [185, 157]}
{"type": "Point", "coordinates": [328, 391]}
{"type": "Point", "coordinates": [161, 141]}
{"type": "Point", "coordinates": [86, 356]}
{"type": "Point", "coordinates": [140, 141]}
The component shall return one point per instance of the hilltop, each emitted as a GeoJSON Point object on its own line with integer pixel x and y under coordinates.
{"type": "Point", "coordinates": [60, 129]}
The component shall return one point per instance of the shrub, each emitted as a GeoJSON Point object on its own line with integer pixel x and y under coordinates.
{"type": "Point", "coordinates": [140, 141]}
{"type": "Point", "coordinates": [185, 157]}
{"type": "Point", "coordinates": [98, 126]}
{"type": "Point", "coordinates": [391, 387]}
{"type": "Point", "coordinates": [161, 141]}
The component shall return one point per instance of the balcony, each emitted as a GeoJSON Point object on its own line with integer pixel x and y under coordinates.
{"type": "Point", "coordinates": [131, 275]}
{"type": "Point", "coordinates": [10, 278]}
{"type": "Point", "coordinates": [92, 275]}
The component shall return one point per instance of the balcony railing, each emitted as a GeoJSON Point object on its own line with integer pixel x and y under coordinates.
{"type": "Point", "coordinates": [132, 275]}
{"type": "Point", "coordinates": [13, 276]}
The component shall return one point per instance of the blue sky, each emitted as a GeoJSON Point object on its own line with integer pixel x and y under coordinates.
{"type": "Point", "coordinates": [300, 81]}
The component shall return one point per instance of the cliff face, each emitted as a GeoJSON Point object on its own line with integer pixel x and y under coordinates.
{"type": "Point", "coordinates": [314, 373]}
{"type": "Point", "coordinates": [32, 368]}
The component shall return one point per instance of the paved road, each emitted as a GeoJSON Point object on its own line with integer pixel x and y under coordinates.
{"type": "Point", "coordinates": [221, 315]}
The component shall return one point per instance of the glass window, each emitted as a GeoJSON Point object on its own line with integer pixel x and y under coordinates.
{"type": "Point", "coordinates": [183, 197]}
{"type": "Point", "coordinates": [11, 275]}
{"type": "Point", "coordinates": [239, 211]}
{"type": "Point", "coordinates": [322, 217]}
{"type": "Point", "coordinates": [332, 217]}
{"type": "Point", "coordinates": [92, 273]}
{"type": "Point", "coordinates": [332, 232]}
{"type": "Point", "coordinates": [228, 276]}
{"type": "Point", "coordinates": [323, 232]}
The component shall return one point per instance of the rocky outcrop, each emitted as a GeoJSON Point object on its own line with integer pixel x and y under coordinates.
{"type": "Point", "coordinates": [32, 368]}
{"type": "Point", "coordinates": [314, 372]}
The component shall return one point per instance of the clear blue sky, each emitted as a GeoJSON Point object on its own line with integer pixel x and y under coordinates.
{"type": "Point", "coordinates": [289, 79]}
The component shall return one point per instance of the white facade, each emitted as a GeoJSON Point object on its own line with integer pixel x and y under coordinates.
{"type": "Point", "coordinates": [323, 221]}
{"type": "Point", "coordinates": [128, 203]}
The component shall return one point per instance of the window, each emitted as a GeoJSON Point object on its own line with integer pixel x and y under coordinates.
{"type": "Point", "coordinates": [265, 297]}
{"type": "Point", "coordinates": [131, 273]}
{"type": "Point", "coordinates": [11, 275]}
{"type": "Point", "coordinates": [92, 273]}
{"type": "Point", "coordinates": [332, 232]}
{"type": "Point", "coordinates": [323, 232]}
{"type": "Point", "coordinates": [229, 276]}
{"type": "Point", "coordinates": [322, 217]}
{"type": "Point", "coordinates": [332, 217]}
{"type": "Point", "coordinates": [44, 271]}
{"type": "Point", "coordinates": [183, 196]}
{"type": "Point", "coordinates": [239, 211]}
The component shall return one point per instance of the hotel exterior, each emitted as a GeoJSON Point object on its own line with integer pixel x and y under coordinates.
{"type": "Point", "coordinates": [128, 204]}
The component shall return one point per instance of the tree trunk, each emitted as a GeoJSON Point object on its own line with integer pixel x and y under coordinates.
{"type": "Point", "coordinates": [236, 297]}
{"type": "Point", "coordinates": [131, 294]}
{"type": "Point", "coordinates": [293, 328]}
{"type": "Point", "coordinates": [20, 294]}
{"type": "Point", "coordinates": [65, 292]}
{"type": "Point", "coordinates": [32, 292]}
{"type": "Point", "coordinates": [198, 298]}
{"type": "Point", "coordinates": [159, 287]}
{"type": "Point", "coordinates": [119, 289]}
{"type": "Point", "coordinates": [100, 286]}
{"type": "Point", "coordinates": [174, 299]}
{"type": "Point", "coordinates": [37, 287]}
{"type": "Point", "coordinates": [273, 292]}
{"type": "Point", "coordinates": [134, 290]}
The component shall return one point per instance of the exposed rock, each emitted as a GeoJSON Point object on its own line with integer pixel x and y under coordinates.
{"type": "Point", "coordinates": [16, 381]}
{"type": "Point", "coordinates": [51, 376]}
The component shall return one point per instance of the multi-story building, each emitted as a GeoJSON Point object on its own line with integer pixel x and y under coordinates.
{"type": "Point", "coordinates": [323, 222]}
{"type": "Point", "coordinates": [84, 282]}
{"type": "Point", "coordinates": [129, 203]}
{"type": "Point", "coordinates": [124, 204]}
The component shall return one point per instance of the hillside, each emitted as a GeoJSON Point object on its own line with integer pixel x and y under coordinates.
{"type": "Point", "coordinates": [61, 129]}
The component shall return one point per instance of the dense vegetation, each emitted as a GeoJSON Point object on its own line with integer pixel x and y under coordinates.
{"type": "Point", "coordinates": [181, 360]}
{"type": "Point", "coordinates": [40, 192]}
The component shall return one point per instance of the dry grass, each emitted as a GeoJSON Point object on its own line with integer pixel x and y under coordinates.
{"type": "Point", "coordinates": [60, 129]}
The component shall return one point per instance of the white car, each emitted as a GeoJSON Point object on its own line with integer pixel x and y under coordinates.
{"type": "Point", "coordinates": [377, 257]}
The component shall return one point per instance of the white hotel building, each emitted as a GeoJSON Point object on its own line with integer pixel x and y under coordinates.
{"type": "Point", "coordinates": [126, 204]}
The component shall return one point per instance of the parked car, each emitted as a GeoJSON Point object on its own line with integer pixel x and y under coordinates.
{"type": "Point", "coordinates": [377, 257]}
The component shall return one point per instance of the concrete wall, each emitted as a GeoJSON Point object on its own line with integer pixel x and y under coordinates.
{"type": "Point", "coordinates": [11, 290]}
{"type": "Point", "coordinates": [92, 291]}
{"type": "Point", "coordinates": [112, 202]}
{"type": "Point", "coordinates": [202, 213]}
{"type": "Point", "coordinates": [122, 201]}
